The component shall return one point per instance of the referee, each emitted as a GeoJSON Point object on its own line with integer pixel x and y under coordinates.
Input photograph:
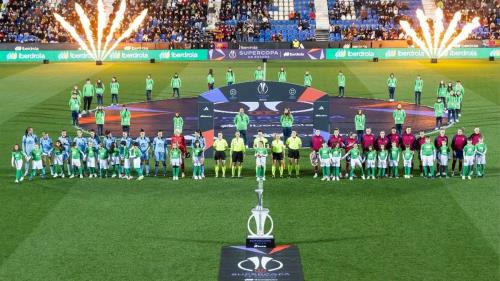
{"type": "Point", "coordinates": [237, 151]}
{"type": "Point", "coordinates": [220, 146]}
{"type": "Point", "coordinates": [294, 144]}
{"type": "Point", "coordinates": [278, 149]}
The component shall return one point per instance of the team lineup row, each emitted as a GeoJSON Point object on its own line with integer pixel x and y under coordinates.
{"type": "Point", "coordinates": [373, 156]}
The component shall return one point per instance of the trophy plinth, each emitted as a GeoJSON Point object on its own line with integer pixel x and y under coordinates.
{"type": "Point", "coordinates": [260, 238]}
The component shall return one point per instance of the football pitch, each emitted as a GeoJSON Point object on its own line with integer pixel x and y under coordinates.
{"type": "Point", "coordinates": [158, 229]}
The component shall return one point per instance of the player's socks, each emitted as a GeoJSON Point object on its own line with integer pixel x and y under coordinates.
{"type": "Point", "coordinates": [216, 170]}
{"type": "Point", "coordinates": [233, 170]}
{"type": "Point", "coordinates": [239, 171]}
{"type": "Point", "coordinates": [43, 172]}
{"type": "Point", "coordinates": [138, 171]}
{"type": "Point", "coordinates": [18, 175]}
{"type": "Point", "coordinates": [297, 169]}
{"type": "Point", "coordinates": [26, 168]}
{"type": "Point", "coordinates": [282, 168]}
{"type": "Point", "coordinates": [202, 169]}
{"type": "Point", "coordinates": [432, 171]}
{"type": "Point", "coordinates": [290, 169]}
{"type": "Point", "coordinates": [147, 169]}
{"type": "Point", "coordinates": [80, 170]}
{"type": "Point", "coordinates": [51, 168]}
{"type": "Point", "coordinates": [223, 170]}
{"type": "Point", "coordinates": [156, 168]}
{"type": "Point", "coordinates": [273, 170]}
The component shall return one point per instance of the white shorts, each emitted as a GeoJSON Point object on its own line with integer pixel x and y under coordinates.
{"type": "Point", "coordinates": [126, 163]}
{"type": "Point", "coordinates": [382, 164]}
{"type": "Point", "coordinates": [137, 162]}
{"type": "Point", "coordinates": [197, 161]}
{"type": "Point", "coordinates": [468, 160]}
{"type": "Point", "coordinates": [103, 164]}
{"type": "Point", "coordinates": [36, 165]}
{"type": "Point", "coordinates": [481, 159]}
{"type": "Point", "coordinates": [115, 160]}
{"type": "Point", "coordinates": [355, 162]}
{"type": "Point", "coordinates": [370, 163]}
{"type": "Point", "coordinates": [175, 162]}
{"type": "Point", "coordinates": [427, 160]}
{"type": "Point", "coordinates": [260, 161]}
{"type": "Point", "coordinates": [336, 161]}
{"type": "Point", "coordinates": [393, 163]}
{"type": "Point", "coordinates": [76, 163]}
{"type": "Point", "coordinates": [326, 162]}
{"type": "Point", "coordinates": [18, 164]}
{"type": "Point", "coordinates": [408, 163]}
{"type": "Point", "coordinates": [90, 162]}
{"type": "Point", "coordinates": [443, 160]}
{"type": "Point", "coordinates": [59, 160]}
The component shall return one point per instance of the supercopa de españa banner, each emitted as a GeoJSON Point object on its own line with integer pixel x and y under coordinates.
{"type": "Point", "coordinates": [218, 54]}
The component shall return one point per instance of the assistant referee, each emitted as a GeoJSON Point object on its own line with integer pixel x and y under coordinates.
{"type": "Point", "coordinates": [294, 144]}
{"type": "Point", "coordinates": [237, 151]}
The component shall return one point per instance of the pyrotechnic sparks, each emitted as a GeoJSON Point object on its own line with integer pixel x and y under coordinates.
{"type": "Point", "coordinates": [98, 49]}
{"type": "Point", "coordinates": [432, 44]}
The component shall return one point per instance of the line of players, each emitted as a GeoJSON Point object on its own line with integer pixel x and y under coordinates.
{"type": "Point", "coordinates": [373, 156]}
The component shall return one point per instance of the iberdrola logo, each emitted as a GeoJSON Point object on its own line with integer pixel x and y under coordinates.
{"type": "Point", "coordinates": [12, 56]}
{"type": "Point", "coordinates": [165, 55]}
{"type": "Point", "coordinates": [495, 53]}
{"type": "Point", "coordinates": [63, 56]}
{"type": "Point", "coordinates": [390, 53]}
{"type": "Point", "coordinates": [341, 54]}
{"type": "Point", "coordinates": [116, 55]}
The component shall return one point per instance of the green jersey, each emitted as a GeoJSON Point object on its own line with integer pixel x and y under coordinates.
{"type": "Point", "coordinates": [286, 120]}
{"type": "Point", "coordinates": [427, 149]}
{"type": "Point", "coordinates": [262, 152]}
{"type": "Point", "coordinates": [75, 153]}
{"type": "Point", "coordinates": [453, 102]}
{"type": "Point", "coordinates": [36, 154]}
{"type": "Point", "coordinates": [399, 116]}
{"type": "Point", "coordinates": [442, 92]}
{"type": "Point", "coordinates": [444, 150]}
{"type": "Point", "coordinates": [135, 152]}
{"type": "Point", "coordinates": [103, 153]}
{"type": "Point", "coordinates": [258, 75]}
{"type": "Point", "coordinates": [230, 78]}
{"type": "Point", "coordinates": [90, 152]}
{"type": "Point", "coordinates": [336, 152]}
{"type": "Point", "coordinates": [407, 154]}
{"type": "Point", "coordinates": [175, 153]}
{"type": "Point", "coordinates": [371, 155]}
{"type": "Point", "coordinates": [392, 82]}
{"type": "Point", "coordinates": [382, 155]}
{"type": "Point", "coordinates": [99, 90]}
{"type": "Point", "coordinates": [100, 115]}
{"type": "Point", "coordinates": [210, 79]}
{"type": "Point", "coordinates": [114, 88]}
{"type": "Point", "coordinates": [460, 89]}
{"type": "Point", "coordinates": [125, 117]}
{"type": "Point", "coordinates": [438, 109]}
{"type": "Point", "coordinates": [58, 151]}
{"type": "Point", "coordinates": [125, 151]}
{"type": "Point", "coordinates": [241, 121]}
{"type": "Point", "coordinates": [341, 80]}
{"type": "Point", "coordinates": [481, 148]}
{"type": "Point", "coordinates": [277, 146]}
{"type": "Point", "coordinates": [197, 152]}
{"type": "Point", "coordinates": [74, 104]}
{"type": "Point", "coordinates": [308, 80]}
{"type": "Point", "coordinates": [116, 152]}
{"type": "Point", "coordinates": [394, 153]}
{"type": "Point", "coordinates": [88, 90]}
{"type": "Point", "coordinates": [282, 76]}
{"type": "Point", "coordinates": [178, 123]}
{"type": "Point", "coordinates": [419, 85]}
{"type": "Point", "coordinates": [354, 153]}
{"type": "Point", "coordinates": [175, 82]}
{"type": "Point", "coordinates": [469, 150]}
{"type": "Point", "coordinates": [324, 153]}
{"type": "Point", "coordinates": [359, 121]}
{"type": "Point", "coordinates": [149, 84]}
{"type": "Point", "coordinates": [17, 155]}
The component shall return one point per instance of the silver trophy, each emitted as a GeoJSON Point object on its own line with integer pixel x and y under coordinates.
{"type": "Point", "coordinates": [258, 236]}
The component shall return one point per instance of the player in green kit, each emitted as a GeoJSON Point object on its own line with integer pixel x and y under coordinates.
{"type": "Point", "coordinates": [220, 147]}
{"type": "Point", "coordinates": [125, 117]}
{"type": "Point", "coordinates": [125, 159]}
{"type": "Point", "coordinates": [99, 92]}
{"type": "Point", "coordinates": [480, 160]}
{"type": "Point", "coordinates": [17, 162]}
{"type": "Point", "coordinates": [407, 161]}
{"type": "Point", "coordinates": [469, 155]}
{"type": "Point", "coordinates": [356, 161]}
{"type": "Point", "coordinates": [444, 156]}
{"type": "Point", "coordinates": [114, 89]}
{"type": "Point", "coordinates": [135, 156]}
{"type": "Point", "coordinates": [58, 159]}
{"type": "Point", "coordinates": [230, 78]}
{"type": "Point", "coordinates": [325, 157]}
{"type": "Point", "coordinates": [427, 154]}
{"type": "Point", "coordinates": [100, 116]}
{"type": "Point", "coordinates": [308, 79]}
{"type": "Point", "coordinates": [90, 157]}
{"type": "Point", "coordinates": [88, 92]}
{"type": "Point", "coordinates": [175, 84]}
{"type": "Point", "coordinates": [76, 162]}
{"type": "Point", "coordinates": [36, 162]}
{"type": "Point", "coordinates": [370, 162]}
{"type": "Point", "coordinates": [438, 112]}
{"type": "Point", "coordinates": [337, 153]}
{"type": "Point", "coordinates": [282, 75]}
{"type": "Point", "coordinates": [394, 153]}
{"type": "Point", "coordinates": [103, 155]}
{"type": "Point", "coordinates": [341, 84]}
{"type": "Point", "coordinates": [382, 161]}
{"type": "Point", "coordinates": [210, 79]}
{"type": "Point", "coordinates": [149, 87]}
{"type": "Point", "coordinates": [278, 151]}
{"type": "Point", "coordinates": [260, 161]}
{"type": "Point", "coordinates": [197, 160]}
{"type": "Point", "coordinates": [115, 160]}
{"type": "Point", "coordinates": [175, 160]}
{"type": "Point", "coordinates": [178, 122]}
{"type": "Point", "coordinates": [419, 86]}
{"type": "Point", "coordinates": [258, 75]}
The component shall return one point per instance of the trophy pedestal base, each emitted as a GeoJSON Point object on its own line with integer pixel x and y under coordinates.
{"type": "Point", "coordinates": [260, 242]}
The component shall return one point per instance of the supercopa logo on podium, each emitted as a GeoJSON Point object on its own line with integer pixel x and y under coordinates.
{"type": "Point", "coordinates": [260, 258]}
{"type": "Point", "coordinates": [264, 102]}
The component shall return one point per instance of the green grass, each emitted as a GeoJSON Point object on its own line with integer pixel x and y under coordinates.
{"type": "Point", "coordinates": [163, 230]}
